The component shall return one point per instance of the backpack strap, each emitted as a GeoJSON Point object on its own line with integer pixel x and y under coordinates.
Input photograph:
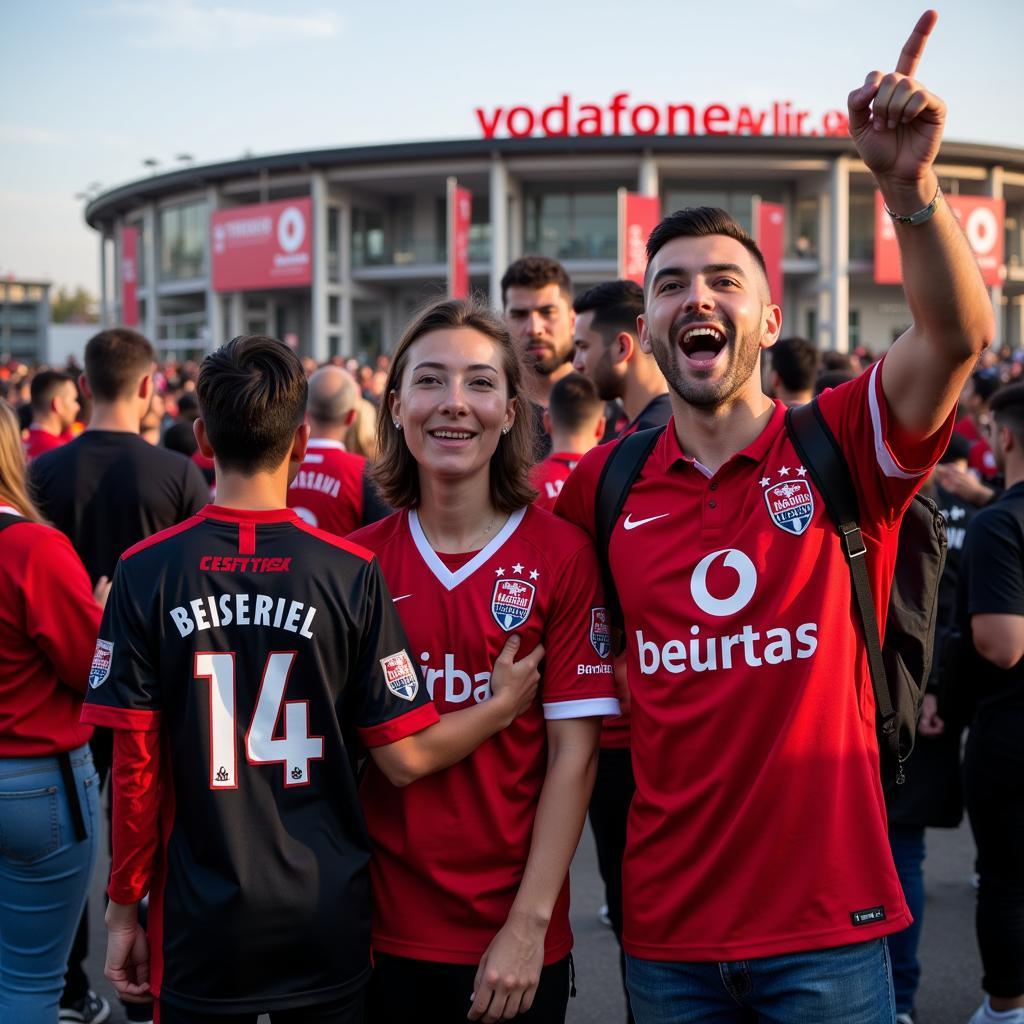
{"type": "Point", "coordinates": [617, 477]}
{"type": "Point", "coordinates": [817, 447]}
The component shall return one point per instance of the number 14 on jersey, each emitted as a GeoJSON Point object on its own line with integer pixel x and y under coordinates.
{"type": "Point", "coordinates": [295, 749]}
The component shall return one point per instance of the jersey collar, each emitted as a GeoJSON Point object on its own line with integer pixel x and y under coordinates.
{"type": "Point", "coordinates": [671, 453]}
{"type": "Point", "coordinates": [248, 515]}
{"type": "Point", "coordinates": [325, 442]}
{"type": "Point", "coordinates": [448, 579]}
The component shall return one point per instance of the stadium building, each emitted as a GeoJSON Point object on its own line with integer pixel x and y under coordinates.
{"type": "Point", "coordinates": [332, 249]}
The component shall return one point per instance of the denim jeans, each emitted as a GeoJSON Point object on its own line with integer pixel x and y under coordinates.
{"type": "Point", "coordinates": [846, 985]}
{"type": "Point", "coordinates": [44, 877]}
{"type": "Point", "coordinates": [907, 844]}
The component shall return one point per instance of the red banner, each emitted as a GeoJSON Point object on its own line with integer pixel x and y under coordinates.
{"type": "Point", "coordinates": [129, 276]}
{"type": "Point", "coordinates": [267, 245]}
{"type": "Point", "coordinates": [460, 216]}
{"type": "Point", "coordinates": [983, 221]}
{"type": "Point", "coordinates": [638, 217]}
{"type": "Point", "coordinates": [770, 224]}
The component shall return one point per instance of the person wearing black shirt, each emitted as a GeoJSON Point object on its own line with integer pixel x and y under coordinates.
{"type": "Point", "coordinates": [991, 612]}
{"type": "Point", "coordinates": [106, 490]}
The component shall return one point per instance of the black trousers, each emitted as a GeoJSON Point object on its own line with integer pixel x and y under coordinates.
{"type": "Point", "coordinates": [994, 792]}
{"type": "Point", "coordinates": [351, 1009]}
{"type": "Point", "coordinates": [609, 809]}
{"type": "Point", "coordinates": [404, 990]}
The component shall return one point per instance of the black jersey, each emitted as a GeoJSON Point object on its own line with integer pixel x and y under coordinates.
{"type": "Point", "coordinates": [263, 652]}
{"type": "Point", "coordinates": [108, 489]}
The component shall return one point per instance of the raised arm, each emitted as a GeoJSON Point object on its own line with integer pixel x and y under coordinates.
{"type": "Point", "coordinates": [896, 125]}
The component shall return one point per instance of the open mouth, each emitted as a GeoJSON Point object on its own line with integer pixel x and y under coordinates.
{"type": "Point", "coordinates": [451, 435]}
{"type": "Point", "coordinates": [702, 343]}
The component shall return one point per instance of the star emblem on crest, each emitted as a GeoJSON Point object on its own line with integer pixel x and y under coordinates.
{"type": "Point", "coordinates": [784, 471]}
{"type": "Point", "coordinates": [499, 572]}
{"type": "Point", "coordinates": [764, 481]}
{"type": "Point", "coordinates": [534, 574]}
{"type": "Point", "coordinates": [801, 471]}
{"type": "Point", "coordinates": [517, 568]}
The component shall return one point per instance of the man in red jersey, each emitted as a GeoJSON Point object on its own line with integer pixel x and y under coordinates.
{"type": "Point", "coordinates": [606, 348]}
{"type": "Point", "coordinates": [54, 408]}
{"type": "Point", "coordinates": [332, 489]}
{"type": "Point", "coordinates": [574, 419]}
{"type": "Point", "coordinates": [758, 882]}
{"type": "Point", "coordinates": [243, 659]}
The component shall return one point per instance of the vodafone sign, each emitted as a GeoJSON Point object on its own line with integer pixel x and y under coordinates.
{"type": "Point", "coordinates": [267, 245]}
{"type": "Point", "coordinates": [982, 220]}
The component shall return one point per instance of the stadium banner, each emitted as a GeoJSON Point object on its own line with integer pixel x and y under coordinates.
{"type": "Point", "coordinates": [638, 217]}
{"type": "Point", "coordinates": [770, 225]}
{"type": "Point", "coordinates": [129, 276]}
{"type": "Point", "coordinates": [265, 245]}
{"type": "Point", "coordinates": [983, 220]}
{"type": "Point", "coordinates": [460, 216]}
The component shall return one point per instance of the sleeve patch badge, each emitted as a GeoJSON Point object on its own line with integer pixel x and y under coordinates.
{"type": "Point", "coordinates": [400, 675]}
{"type": "Point", "coordinates": [791, 505]}
{"type": "Point", "coordinates": [512, 602]}
{"type": "Point", "coordinates": [101, 659]}
{"type": "Point", "coordinates": [600, 632]}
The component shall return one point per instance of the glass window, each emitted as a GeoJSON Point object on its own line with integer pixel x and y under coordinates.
{"type": "Point", "coordinates": [805, 229]}
{"type": "Point", "coordinates": [853, 327]}
{"type": "Point", "coordinates": [738, 202]}
{"type": "Point", "coordinates": [572, 225]}
{"type": "Point", "coordinates": [367, 238]}
{"type": "Point", "coordinates": [333, 244]}
{"type": "Point", "coordinates": [183, 231]}
{"type": "Point", "coordinates": [333, 309]}
{"type": "Point", "coordinates": [862, 225]}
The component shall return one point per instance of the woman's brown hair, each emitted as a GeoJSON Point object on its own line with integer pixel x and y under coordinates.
{"type": "Point", "coordinates": [396, 472]}
{"type": "Point", "coordinates": [13, 487]}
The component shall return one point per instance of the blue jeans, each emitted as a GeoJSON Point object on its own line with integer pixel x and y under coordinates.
{"type": "Point", "coordinates": [846, 985]}
{"type": "Point", "coordinates": [44, 877]}
{"type": "Point", "coordinates": [907, 844]}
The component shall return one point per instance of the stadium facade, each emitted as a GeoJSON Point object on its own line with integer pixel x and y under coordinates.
{"type": "Point", "coordinates": [375, 245]}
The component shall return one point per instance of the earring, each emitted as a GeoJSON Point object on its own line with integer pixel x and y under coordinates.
{"type": "Point", "coordinates": [398, 425]}
{"type": "Point", "coordinates": [505, 429]}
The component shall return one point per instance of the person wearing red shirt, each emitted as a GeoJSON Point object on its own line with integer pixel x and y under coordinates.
{"type": "Point", "coordinates": [758, 881]}
{"type": "Point", "coordinates": [332, 489]}
{"type": "Point", "coordinates": [49, 811]}
{"type": "Point", "coordinates": [470, 866]}
{"type": "Point", "coordinates": [55, 406]}
{"type": "Point", "coordinates": [574, 419]}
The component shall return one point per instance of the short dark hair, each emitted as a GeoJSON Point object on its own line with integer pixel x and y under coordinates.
{"type": "Point", "coordinates": [44, 388]}
{"type": "Point", "coordinates": [252, 396]}
{"type": "Point", "coordinates": [699, 222]}
{"type": "Point", "coordinates": [574, 402]}
{"type": "Point", "coordinates": [985, 383]}
{"type": "Point", "coordinates": [615, 305]}
{"type": "Point", "coordinates": [536, 272]}
{"type": "Point", "coordinates": [115, 362]}
{"type": "Point", "coordinates": [1007, 408]}
{"type": "Point", "coordinates": [832, 379]}
{"type": "Point", "coordinates": [795, 360]}
{"type": "Point", "coordinates": [395, 471]}
{"type": "Point", "coordinates": [833, 360]}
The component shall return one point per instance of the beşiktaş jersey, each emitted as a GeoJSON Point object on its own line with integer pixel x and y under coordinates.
{"type": "Point", "coordinates": [259, 650]}
{"type": "Point", "coordinates": [758, 826]}
{"type": "Point", "coordinates": [450, 849]}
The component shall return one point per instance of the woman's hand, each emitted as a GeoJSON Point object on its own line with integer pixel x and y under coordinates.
{"type": "Point", "coordinates": [101, 591]}
{"type": "Point", "coordinates": [509, 973]}
{"type": "Point", "coordinates": [127, 966]}
{"type": "Point", "coordinates": [514, 683]}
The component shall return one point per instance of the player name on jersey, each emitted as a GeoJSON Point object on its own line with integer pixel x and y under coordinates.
{"type": "Point", "coordinates": [310, 480]}
{"type": "Point", "coordinates": [210, 611]}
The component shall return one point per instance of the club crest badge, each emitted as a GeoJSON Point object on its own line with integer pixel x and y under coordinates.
{"type": "Point", "coordinates": [791, 505]}
{"type": "Point", "coordinates": [400, 676]}
{"type": "Point", "coordinates": [600, 631]}
{"type": "Point", "coordinates": [512, 603]}
{"type": "Point", "coordinates": [101, 659]}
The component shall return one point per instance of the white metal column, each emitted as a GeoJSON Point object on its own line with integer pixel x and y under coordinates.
{"type": "Point", "coordinates": [149, 220]}
{"type": "Point", "coordinates": [318, 341]}
{"type": "Point", "coordinates": [649, 183]}
{"type": "Point", "coordinates": [105, 319]}
{"type": "Point", "coordinates": [499, 227]}
{"type": "Point", "coordinates": [995, 190]}
{"type": "Point", "coordinates": [214, 301]}
{"type": "Point", "coordinates": [839, 281]}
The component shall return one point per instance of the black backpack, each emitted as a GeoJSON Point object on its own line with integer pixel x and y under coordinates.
{"type": "Point", "coordinates": [900, 667]}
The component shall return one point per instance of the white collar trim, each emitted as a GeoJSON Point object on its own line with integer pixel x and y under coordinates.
{"type": "Point", "coordinates": [448, 579]}
{"type": "Point", "coordinates": [325, 442]}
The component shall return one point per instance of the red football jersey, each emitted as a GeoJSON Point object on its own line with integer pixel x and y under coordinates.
{"type": "Point", "coordinates": [327, 492]}
{"type": "Point", "coordinates": [548, 476]}
{"type": "Point", "coordinates": [982, 461]}
{"type": "Point", "coordinates": [450, 849]}
{"type": "Point", "coordinates": [758, 827]}
{"type": "Point", "coordinates": [39, 441]}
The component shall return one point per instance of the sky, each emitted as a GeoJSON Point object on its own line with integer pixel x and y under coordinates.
{"type": "Point", "coordinates": [92, 89]}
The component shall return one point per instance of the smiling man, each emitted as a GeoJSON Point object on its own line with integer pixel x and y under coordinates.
{"type": "Point", "coordinates": [758, 883]}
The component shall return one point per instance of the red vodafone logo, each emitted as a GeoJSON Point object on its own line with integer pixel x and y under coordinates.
{"type": "Point", "coordinates": [291, 229]}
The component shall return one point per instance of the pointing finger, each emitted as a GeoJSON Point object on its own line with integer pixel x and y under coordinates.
{"type": "Point", "coordinates": [913, 48]}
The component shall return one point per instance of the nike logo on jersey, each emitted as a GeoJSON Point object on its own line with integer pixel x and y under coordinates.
{"type": "Point", "coordinates": [629, 523]}
{"type": "Point", "coordinates": [395, 600]}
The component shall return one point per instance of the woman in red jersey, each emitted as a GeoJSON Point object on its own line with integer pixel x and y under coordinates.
{"type": "Point", "coordinates": [49, 789]}
{"type": "Point", "coordinates": [470, 864]}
